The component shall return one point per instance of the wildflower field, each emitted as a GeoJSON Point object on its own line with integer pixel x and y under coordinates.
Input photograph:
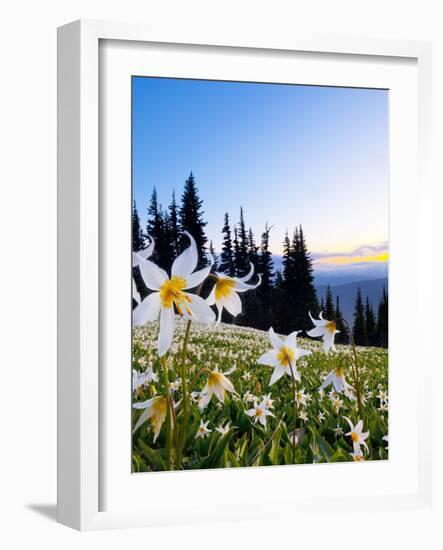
{"type": "Point", "coordinates": [226, 413]}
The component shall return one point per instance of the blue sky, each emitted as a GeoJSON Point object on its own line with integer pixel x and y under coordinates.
{"type": "Point", "coordinates": [289, 154]}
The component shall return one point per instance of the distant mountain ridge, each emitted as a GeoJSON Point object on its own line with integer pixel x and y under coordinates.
{"type": "Point", "coordinates": [372, 288]}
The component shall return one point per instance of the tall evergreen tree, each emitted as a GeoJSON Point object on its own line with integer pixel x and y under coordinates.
{"type": "Point", "coordinates": [305, 291]}
{"type": "Point", "coordinates": [370, 326]}
{"type": "Point", "coordinates": [359, 327]}
{"type": "Point", "coordinates": [138, 241]}
{"type": "Point", "coordinates": [156, 228]}
{"type": "Point", "coordinates": [252, 249]}
{"type": "Point", "coordinates": [237, 260]}
{"type": "Point", "coordinates": [227, 253]}
{"type": "Point", "coordinates": [288, 263]}
{"type": "Point", "coordinates": [278, 279]}
{"type": "Point", "coordinates": [214, 255]}
{"type": "Point", "coordinates": [242, 261]}
{"type": "Point", "coordinates": [382, 321]}
{"type": "Point", "coordinates": [266, 267]}
{"type": "Point", "coordinates": [191, 219]}
{"type": "Point", "coordinates": [329, 312]}
{"type": "Point", "coordinates": [264, 318]}
{"type": "Point", "coordinates": [342, 336]}
{"type": "Point", "coordinates": [174, 226]}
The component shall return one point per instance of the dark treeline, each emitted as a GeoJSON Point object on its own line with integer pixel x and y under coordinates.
{"type": "Point", "coordinates": [370, 329]}
{"type": "Point", "coordinates": [283, 298]}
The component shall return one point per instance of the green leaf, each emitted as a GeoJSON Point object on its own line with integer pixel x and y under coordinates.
{"type": "Point", "coordinates": [320, 448]}
{"type": "Point", "coordinates": [152, 455]}
{"type": "Point", "coordinates": [275, 448]}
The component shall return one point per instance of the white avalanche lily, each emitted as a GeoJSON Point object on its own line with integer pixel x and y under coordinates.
{"type": "Point", "coordinates": [217, 385]}
{"type": "Point", "coordinates": [259, 412]}
{"type": "Point", "coordinates": [137, 258]}
{"type": "Point", "coordinates": [284, 356]}
{"type": "Point", "coordinates": [326, 329]}
{"type": "Point", "coordinates": [142, 378]}
{"type": "Point", "coordinates": [357, 435]}
{"type": "Point", "coordinates": [223, 430]}
{"type": "Point", "coordinates": [225, 292]}
{"type": "Point", "coordinates": [337, 379]}
{"type": "Point", "coordinates": [154, 410]}
{"type": "Point", "coordinates": [203, 430]}
{"type": "Point", "coordinates": [170, 292]}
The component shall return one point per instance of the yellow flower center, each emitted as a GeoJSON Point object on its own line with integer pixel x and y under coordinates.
{"type": "Point", "coordinates": [223, 287]}
{"type": "Point", "coordinates": [171, 292]}
{"type": "Point", "coordinates": [258, 411]}
{"type": "Point", "coordinates": [331, 326]}
{"type": "Point", "coordinates": [214, 379]}
{"type": "Point", "coordinates": [354, 437]}
{"type": "Point", "coordinates": [339, 372]}
{"type": "Point", "coordinates": [285, 356]}
{"type": "Point", "coordinates": [159, 412]}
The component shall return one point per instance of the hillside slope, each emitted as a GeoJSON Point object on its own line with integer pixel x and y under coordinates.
{"type": "Point", "coordinates": [373, 289]}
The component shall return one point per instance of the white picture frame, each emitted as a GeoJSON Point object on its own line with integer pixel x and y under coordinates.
{"type": "Point", "coordinates": [82, 255]}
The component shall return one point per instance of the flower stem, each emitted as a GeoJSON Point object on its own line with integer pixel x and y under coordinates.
{"type": "Point", "coordinates": [168, 414]}
{"type": "Point", "coordinates": [294, 419]}
{"type": "Point", "coordinates": [265, 445]}
{"type": "Point", "coordinates": [356, 370]}
{"type": "Point", "coordinates": [182, 438]}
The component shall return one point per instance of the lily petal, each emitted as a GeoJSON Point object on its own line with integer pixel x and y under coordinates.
{"type": "Point", "coordinates": [167, 327]}
{"type": "Point", "coordinates": [187, 261]}
{"type": "Point", "coordinates": [233, 304]}
{"type": "Point", "coordinates": [269, 358]}
{"type": "Point", "coordinates": [276, 341]}
{"type": "Point", "coordinates": [240, 286]}
{"type": "Point", "coordinates": [200, 310]}
{"type": "Point", "coordinates": [148, 310]}
{"type": "Point", "coordinates": [153, 276]}
{"type": "Point", "coordinates": [196, 278]}
{"type": "Point", "coordinates": [279, 371]}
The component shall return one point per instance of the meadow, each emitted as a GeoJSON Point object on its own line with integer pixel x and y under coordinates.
{"type": "Point", "coordinates": [247, 421]}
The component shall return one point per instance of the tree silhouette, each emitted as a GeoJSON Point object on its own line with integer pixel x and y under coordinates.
{"type": "Point", "coordinates": [174, 226]}
{"type": "Point", "coordinates": [227, 254]}
{"type": "Point", "coordinates": [191, 219]}
{"type": "Point", "coordinates": [329, 312]}
{"type": "Point", "coordinates": [359, 327]}
{"type": "Point", "coordinates": [138, 241]}
{"type": "Point", "coordinates": [382, 321]}
{"type": "Point", "coordinates": [370, 326]}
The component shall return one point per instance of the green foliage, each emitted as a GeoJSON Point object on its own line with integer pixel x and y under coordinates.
{"type": "Point", "coordinates": [248, 443]}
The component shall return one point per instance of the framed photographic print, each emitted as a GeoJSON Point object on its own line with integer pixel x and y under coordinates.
{"type": "Point", "coordinates": [237, 230]}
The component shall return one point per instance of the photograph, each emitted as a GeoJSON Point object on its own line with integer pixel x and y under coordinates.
{"type": "Point", "coordinates": [260, 256]}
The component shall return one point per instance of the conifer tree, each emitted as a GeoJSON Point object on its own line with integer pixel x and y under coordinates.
{"type": "Point", "coordinates": [214, 255]}
{"type": "Point", "coordinates": [306, 295]}
{"type": "Point", "coordinates": [191, 219]}
{"type": "Point", "coordinates": [242, 262]}
{"type": "Point", "coordinates": [342, 336]}
{"type": "Point", "coordinates": [157, 229]}
{"type": "Point", "coordinates": [227, 254]}
{"type": "Point", "coordinates": [278, 279]}
{"type": "Point", "coordinates": [174, 227]}
{"type": "Point", "coordinates": [382, 321]}
{"type": "Point", "coordinates": [329, 312]}
{"type": "Point", "coordinates": [288, 263]}
{"type": "Point", "coordinates": [252, 249]}
{"type": "Point", "coordinates": [370, 324]}
{"type": "Point", "coordinates": [264, 292]}
{"type": "Point", "coordinates": [266, 267]}
{"type": "Point", "coordinates": [237, 261]}
{"type": "Point", "coordinates": [138, 241]}
{"type": "Point", "coordinates": [359, 327]}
